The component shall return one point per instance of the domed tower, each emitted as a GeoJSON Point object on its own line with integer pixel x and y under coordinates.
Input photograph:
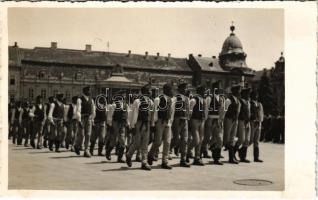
{"type": "Point", "coordinates": [232, 54]}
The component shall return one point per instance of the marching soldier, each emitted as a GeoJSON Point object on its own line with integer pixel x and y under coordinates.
{"type": "Point", "coordinates": [214, 122]}
{"type": "Point", "coordinates": [47, 126]}
{"type": "Point", "coordinates": [39, 112]}
{"type": "Point", "coordinates": [86, 115]}
{"type": "Point", "coordinates": [118, 114]}
{"type": "Point", "coordinates": [16, 121]}
{"type": "Point", "coordinates": [26, 122]}
{"type": "Point", "coordinates": [71, 124]}
{"type": "Point", "coordinates": [232, 107]}
{"type": "Point", "coordinates": [257, 116]}
{"type": "Point", "coordinates": [65, 123]}
{"type": "Point", "coordinates": [243, 130]}
{"type": "Point", "coordinates": [180, 123]}
{"type": "Point", "coordinates": [11, 107]}
{"type": "Point", "coordinates": [56, 115]}
{"type": "Point", "coordinates": [99, 129]}
{"type": "Point", "coordinates": [198, 109]}
{"type": "Point", "coordinates": [141, 121]}
{"type": "Point", "coordinates": [163, 118]}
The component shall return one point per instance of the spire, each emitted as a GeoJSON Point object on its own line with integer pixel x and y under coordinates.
{"type": "Point", "coordinates": [232, 28]}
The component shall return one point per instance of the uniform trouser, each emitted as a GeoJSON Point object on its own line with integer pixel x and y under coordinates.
{"type": "Point", "coordinates": [38, 131]}
{"type": "Point", "coordinates": [140, 141]}
{"type": "Point", "coordinates": [84, 132]}
{"type": "Point", "coordinates": [162, 134]}
{"type": "Point", "coordinates": [17, 131]}
{"type": "Point", "coordinates": [243, 133]}
{"type": "Point", "coordinates": [255, 133]}
{"type": "Point", "coordinates": [56, 130]}
{"type": "Point", "coordinates": [181, 133]}
{"type": "Point", "coordinates": [230, 129]}
{"type": "Point", "coordinates": [216, 128]}
{"type": "Point", "coordinates": [46, 130]}
{"type": "Point", "coordinates": [207, 135]}
{"type": "Point", "coordinates": [99, 132]}
{"type": "Point", "coordinates": [129, 136]}
{"type": "Point", "coordinates": [118, 135]}
{"type": "Point", "coordinates": [26, 130]}
{"type": "Point", "coordinates": [71, 132]}
{"type": "Point", "coordinates": [64, 133]}
{"type": "Point", "coordinates": [197, 132]}
{"type": "Point", "coordinates": [175, 135]}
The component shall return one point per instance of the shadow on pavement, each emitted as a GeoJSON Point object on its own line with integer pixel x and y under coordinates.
{"type": "Point", "coordinates": [58, 157]}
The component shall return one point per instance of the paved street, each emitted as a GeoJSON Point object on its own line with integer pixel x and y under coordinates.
{"type": "Point", "coordinates": [45, 170]}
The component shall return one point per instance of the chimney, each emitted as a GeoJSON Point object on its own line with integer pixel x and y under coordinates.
{"type": "Point", "coordinates": [54, 45]}
{"type": "Point", "coordinates": [199, 55]}
{"type": "Point", "coordinates": [169, 56]}
{"type": "Point", "coordinates": [16, 44]}
{"type": "Point", "coordinates": [146, 54]}
{"type": "Point", "coordinates": [88, 48]}
{"type": "Point", "coordinates": [129, 53]}
{"type": "Point", "coordinates": [158, 54]}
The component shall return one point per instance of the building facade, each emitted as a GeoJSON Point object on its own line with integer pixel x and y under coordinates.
{"type": "Point", "coordinates": [46, 71]}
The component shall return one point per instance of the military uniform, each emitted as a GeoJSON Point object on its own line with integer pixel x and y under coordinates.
{"type": "Point", "coordinates": [99, 129]}
{"type": "Point", "coordinates": [39, 111]}
{"type": "Point", "coordinates": [243, 131]}
{"type": "Point", "coordinates": [71, 125]}
{"type": "Point", "coordinates": [16, 121]}
{"type": "Point", "coordinates": [141, 122]}
{"type": "Point", "coordinates": [56, 116]}
{"type": "Point", "coordinates": [232, 107]}
{"type": "Point", "coordinates": [119, 115]}
{"type": "Point", "coordinates": [257, 116]}
{"type": "Point", "coordinates": [198, 108]}
{"type": "Point", "coordinates": [26, 123]}
{"type": "Point", "coordinates": [163, 118]}
{"type": "Point", "coordinates": [214, 125]}
{"type": "Point", "coordinates": [180, 124]}
{"type": "Point", "coordinates": [86, 113]}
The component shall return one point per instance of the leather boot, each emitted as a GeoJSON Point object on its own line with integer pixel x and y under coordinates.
{"type": "Point", "coordinates": [231, 155]}
{"type": "Point", "coordinates": [235, 150]}
{"type": "Point", "coordinates": [256, 155]}
{"type": "Point", "coordinates": [51, 145]}
{"type": "Point", "coordinates": [45, 143]}
{"type": "Point", "coordinates": [205, 153]}
{"type": "Point", "coordinates": [57, 146]}
{"type": "Point", "coordinates": [216, 156]}
{"type": "Point", "coordinates": [108, 151]}
{"type": "Point", "coordinates": [91, 148]}
{"type": "Point", "coordinates": [244, 153]}
{"type": "Point", "coordinates": [100, 149]}
{"type": "Point", "coordinates": [120, 154]}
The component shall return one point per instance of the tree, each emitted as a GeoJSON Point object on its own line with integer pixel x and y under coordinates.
{"type": "Point", "coordinates": [266, 96]}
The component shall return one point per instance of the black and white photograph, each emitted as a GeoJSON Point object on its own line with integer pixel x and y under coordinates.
{"type": "Point", "coordinates": [146, 99]}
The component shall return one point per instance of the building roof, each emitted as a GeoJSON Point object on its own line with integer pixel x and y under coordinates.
{"type": "Point", "coordinates": [99, 58]}
{"type": "Point", "coordinates": [209, 64]}
{"type": "Point", "coordinates": [232, 44]}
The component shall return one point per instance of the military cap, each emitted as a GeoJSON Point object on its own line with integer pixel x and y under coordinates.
{"type": "Point", "coordinates": [200, 89]}
{"type": "Point", "coordinates": [182, 84]}
{"type": "Point", "coordinates": [59, 95]}
{"type": "Point", "coordinates": [86, 88]}
{"type": "Point", "coordinates": [146, 88]}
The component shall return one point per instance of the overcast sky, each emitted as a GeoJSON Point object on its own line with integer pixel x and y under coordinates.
{"type": "Point", "coordinates": [179, 31]}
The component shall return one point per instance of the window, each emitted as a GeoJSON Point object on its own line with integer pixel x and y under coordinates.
{"type": "Point", "coordinates": [12, 80]}
{"type": "Point", "coordinates": [43, 93]}
{"type": "Point", "coordinates": [41, 74]}
{"type": "Point", "coordinates": [31, 94]}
